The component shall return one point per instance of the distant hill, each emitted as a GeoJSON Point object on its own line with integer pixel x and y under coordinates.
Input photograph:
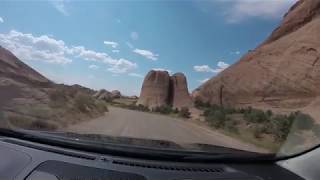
{"type": "Point", "coordinates": [284, 71]}
{"type": "Point", "coordinates": [12, 67]}
{"type": "Point", "coordinates": [30, 100]}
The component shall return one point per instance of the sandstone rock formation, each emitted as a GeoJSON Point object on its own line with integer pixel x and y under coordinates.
{"type": "Point", "coordinates": [160, 89]}
{"type": "Point", "coordinates": [283, 71]}
{"type": "Point", "coordinates": [179, 94]}
{"type": "Point", "coordinates": [155, 89]}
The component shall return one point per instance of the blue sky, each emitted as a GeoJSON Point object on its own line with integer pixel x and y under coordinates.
{"type": "Point", "coordinates": [113, 44]}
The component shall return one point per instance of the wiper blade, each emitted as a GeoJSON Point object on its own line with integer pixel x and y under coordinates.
{"type": "Point", "coordinates": [132, 151]}
{"type": "Point", "coordinates": [230, 157]}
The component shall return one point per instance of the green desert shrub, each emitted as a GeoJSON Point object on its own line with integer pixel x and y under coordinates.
{"type": "Point", "coordinates": [316, 130]}
{"type": "Point", "coordinates": [184, 112]}
{"type": "Point", "coordinates": [101, 106]}
{"type": "Point", "coordinates": [256, 116]}
{"type": "Point", "coordinates": [42, 125]}
{"type": "Point", "coordinates": [83, 102]}
{"type": "Point", "coordinates": [216, 119]}
{"type": "Point", "coordinates": [303, 122]}
{"type": "Point", "coordinates": [231, 126]}
{"type": "Point", "coordinates": [163, 109]}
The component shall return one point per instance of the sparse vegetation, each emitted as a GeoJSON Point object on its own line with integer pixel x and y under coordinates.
{"type": "Point", "coordinates": [42, 125]}
{"type": "Point", "coordinates": [163, 109]}
{"type": "Point", "coordinates": [131, 106]}
{"type": "Point", "coordinates": [316, 130]}
{"type": "Point", "coordinates": [84, 102]}
{"type": "Point", "coordinates": [31, 123]}
{"type": "Point", "coordinates": [184, 112]}
{"type": "Point", "coordinates": [260, 124]}
{"type": "Point", "coordinates": [101, 106]}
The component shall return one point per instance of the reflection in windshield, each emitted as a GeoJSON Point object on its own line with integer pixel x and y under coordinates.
{"type": "Point", "coordinates": [178, 75]}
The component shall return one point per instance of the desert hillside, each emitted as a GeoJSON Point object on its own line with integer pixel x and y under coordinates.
{"type": "Point", "coordinates": [29, 100]}
{"type": "Point", "coordinates": [282, 72]}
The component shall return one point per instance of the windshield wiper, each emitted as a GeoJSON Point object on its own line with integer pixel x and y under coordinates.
{"type": "Point", "coordinates": [130, 151]}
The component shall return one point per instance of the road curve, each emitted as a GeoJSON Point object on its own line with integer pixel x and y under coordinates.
{"type": "Point", "coordinates": [128, 123]}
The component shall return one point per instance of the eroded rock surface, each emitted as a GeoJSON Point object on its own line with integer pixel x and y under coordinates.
{"type": "Point", "coordinates": [179, 93]}
{"type": "Point", "coordinates": [155, 89]}
{"type": "Point", "coordinates": [284, 71]}
{"type": "Point", "coordinates": [160, 89]}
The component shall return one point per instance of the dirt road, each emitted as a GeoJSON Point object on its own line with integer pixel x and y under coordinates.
{"type": "Point", "coordinates": [128, 123]}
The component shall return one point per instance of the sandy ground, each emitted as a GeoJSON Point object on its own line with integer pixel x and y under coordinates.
{"type": "Point", "coordinates": [128, 123]}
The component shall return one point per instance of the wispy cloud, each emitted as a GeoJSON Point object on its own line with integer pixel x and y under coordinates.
{"type": "Point", "coordinates": [36, 48]}
{"type": "Point", "coordinates": [202, 68]}
{"type": "Point", "coordinates": [115, 51]}
{"type": "Point", "coordinates": [240, 10]}
{"type": "Point", "coordinates": [1, 20]}
{"type": "Point", "coordinates": [111, 43]}
{"type": "Point", "coordinates": [206, 68]}
{"type": "Point", "coordinates": [203, 80]}
{"type": "Point", "coordinates": [60, 5]}
{"type": "Point", "coordinates": [134, 35]}
{"type": "Point", "coordinates": [147, 54]}
{"type": "Point", "coordinates": [93, 66]}
{"type": "Point", "coordinates": [47, 49]}
{"type": "Point", "coordinates": [235, 52]}
{"type": "Point", "coordinates": [122, 66]}
{"type": "Point", "coordinates": [135, 75]}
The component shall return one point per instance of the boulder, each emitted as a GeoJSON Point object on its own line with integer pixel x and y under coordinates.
{"type": "Point", "coordinates": [179, 94]}
{"type": "Point", "coordinates": [103, 95]}
{"type": "Point", "coordinates": [115, 94]}
{"type": "Point", "coordinates": [155, 89]}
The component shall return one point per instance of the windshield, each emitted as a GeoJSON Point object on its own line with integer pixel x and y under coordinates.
{"type": "Point", "coordinates": [200, 76]}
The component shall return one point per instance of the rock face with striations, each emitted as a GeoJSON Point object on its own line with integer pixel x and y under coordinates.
{"type": "Point", "coordinates": [284, 71]}
{"type": "Point", "coordinates": [155, 88]}
{"type": "Point", "coordinates": [160, 89]}
{"type": "Point", "coordinates": [179, 94]}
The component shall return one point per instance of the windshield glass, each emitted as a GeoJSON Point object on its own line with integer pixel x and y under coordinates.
{"type": "Point", "coordinates": [183, 75]}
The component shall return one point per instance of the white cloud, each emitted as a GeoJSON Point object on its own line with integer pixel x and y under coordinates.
{"type": "Point", "coordinates": [202, 68]}
{"type": "Point", "coordinates": [135, 75]}
{"type": "Point", "coordinates": [93, 66]}
{"type": "Point", "coordinates": [235, 52]}
{"type": "Point", "coordinates": [115, 51]}
{"type": "Point", "coordinates": [241, 10]}
{"type": "Point", "coordinates": [205, 68]}
{"type": "Point", "coordinates": [111, 43]}
{"type": "Point", "coordinates": [122, 66]}
{"type": "Point", "coordinates": [147, 54]}
{"type": "Point", "coordinates": [1, 20]}
{"type": "Point", "coordinates": [134, 35]}
{"type": "Point", "coordinates": [203, 80]}
{"type": "Point", "coordinates": [60, 6]}
{"type": "Point", "coordinates": [222, 65]}
{"type": "Point", "coordinates": [162, 69]}
{"type": "Point", "coordinates": [36, 48]}
{"type": "Point", "coordinates": [47, 49]}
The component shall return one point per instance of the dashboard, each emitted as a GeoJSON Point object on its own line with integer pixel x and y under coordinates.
{"type": "Point", "coordinates": [24, 160]}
